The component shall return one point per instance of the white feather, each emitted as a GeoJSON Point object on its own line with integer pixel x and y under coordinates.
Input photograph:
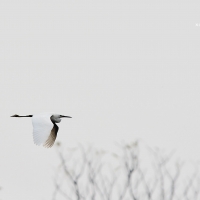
{"type": "Point", "coordinates": [42, 126]}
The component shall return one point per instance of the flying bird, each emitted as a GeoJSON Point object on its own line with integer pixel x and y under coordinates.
{"type": "Point", "coordinates": [44, 127]}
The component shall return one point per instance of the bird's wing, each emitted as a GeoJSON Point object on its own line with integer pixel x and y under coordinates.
{"type": "Point", "coordinates": [42, 126]}
{"type": "Point", "coordinates": [52, 137]}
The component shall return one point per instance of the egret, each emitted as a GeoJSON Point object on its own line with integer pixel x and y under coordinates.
{"type": "Point", "coordinates": [44, 128]}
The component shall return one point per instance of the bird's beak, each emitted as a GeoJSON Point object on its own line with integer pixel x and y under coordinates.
{"type": "Point", "coordinates": [65, 116]}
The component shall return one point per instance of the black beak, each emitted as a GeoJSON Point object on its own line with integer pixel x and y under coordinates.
{"type": "Point", "coordinates": [61, 116]}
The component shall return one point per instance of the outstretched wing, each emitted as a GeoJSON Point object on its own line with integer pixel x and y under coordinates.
{"type": "Point", "coordinates": [42, 126]}
{"type": "Point", "coordinates": [52, 137]}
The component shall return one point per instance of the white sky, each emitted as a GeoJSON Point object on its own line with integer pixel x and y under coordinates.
{"type": "Point", "coordinates": [121, 69]}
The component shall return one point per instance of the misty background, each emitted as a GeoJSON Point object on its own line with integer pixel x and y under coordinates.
{"type": "Point", "coordinates": [124, 70]}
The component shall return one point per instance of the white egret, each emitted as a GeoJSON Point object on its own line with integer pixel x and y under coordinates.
{"type": "Point", "coordinates": [44, 127]}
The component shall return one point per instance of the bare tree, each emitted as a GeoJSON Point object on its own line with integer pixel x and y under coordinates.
{"type": "Point", "coordinates": [91, 174]}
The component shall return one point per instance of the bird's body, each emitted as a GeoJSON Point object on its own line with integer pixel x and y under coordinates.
{"type": "Point", "coordinates": [44, 128]}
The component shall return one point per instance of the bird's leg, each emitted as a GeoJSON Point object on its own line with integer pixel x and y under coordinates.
{"type": "Point", "coordinates": [21, 116]}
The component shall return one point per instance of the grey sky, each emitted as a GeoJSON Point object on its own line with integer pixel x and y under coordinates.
{"type": "Point", "coordinates": [121, 69]}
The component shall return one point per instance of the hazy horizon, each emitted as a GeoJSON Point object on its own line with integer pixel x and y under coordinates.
{"type": "Point", "coordinates": [123, 70]}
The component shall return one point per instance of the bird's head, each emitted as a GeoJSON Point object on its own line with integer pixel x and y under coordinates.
{"type": "Point", "coordinates": [57, 118]}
